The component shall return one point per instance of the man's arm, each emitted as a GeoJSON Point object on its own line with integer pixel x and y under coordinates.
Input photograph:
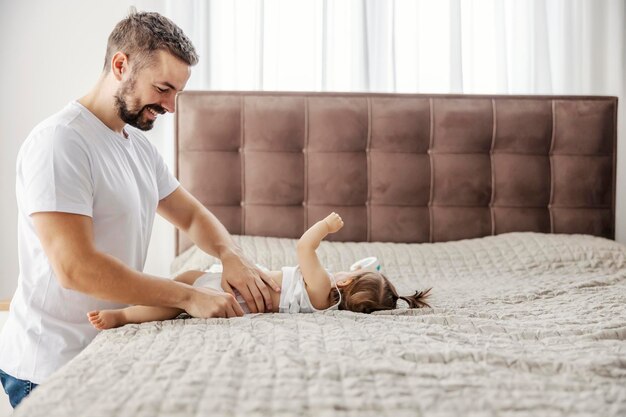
{"type": "Point", "coordinates": [186, 213]}
{"type": "Point", "coordinates": [67, 240]}
{"type": "Point", "coordinates": [313, 273]}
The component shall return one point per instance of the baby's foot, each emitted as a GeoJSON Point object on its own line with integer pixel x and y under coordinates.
{"type": "Point", "coordinates": [334, 222]}
{"type": "Point", "coordinates": [107, 319]}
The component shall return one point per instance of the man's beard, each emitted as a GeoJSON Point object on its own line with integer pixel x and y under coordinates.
{"type": "Point", "coordinates": [134, 118]}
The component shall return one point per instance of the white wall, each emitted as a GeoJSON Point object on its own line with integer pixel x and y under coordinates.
{"type": "Point", "coordinates": [52, 52]}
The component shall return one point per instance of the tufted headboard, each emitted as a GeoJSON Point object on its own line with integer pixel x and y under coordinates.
{"type": "Point", "coordinates": [399, 168]}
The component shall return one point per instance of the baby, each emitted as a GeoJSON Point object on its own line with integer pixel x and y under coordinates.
{"type": "Point", "coordinates": [305, 288]}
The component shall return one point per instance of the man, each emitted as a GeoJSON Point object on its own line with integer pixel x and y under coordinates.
{"type": "Point", "coordinates": [88, 186]}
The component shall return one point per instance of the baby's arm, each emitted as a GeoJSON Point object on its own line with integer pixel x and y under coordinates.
{"type": "Point", "coordinates": [318, 285]}
{"type": "Point", "coordinates": [108, 319]}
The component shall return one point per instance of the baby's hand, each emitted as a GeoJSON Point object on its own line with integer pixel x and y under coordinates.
{"type": "Point", "coordinates": [334, 222]}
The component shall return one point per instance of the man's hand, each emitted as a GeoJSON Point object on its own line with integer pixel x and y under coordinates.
{"type": "Point", "coordinates": [189, 215]}
{"type": "Point", "coordinates": [209, 303]}
{"type": "Point", "coordinates": [241, 274]}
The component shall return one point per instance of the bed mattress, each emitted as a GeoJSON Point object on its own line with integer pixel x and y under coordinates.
{"type": "Point", "coordinates": [520, 324]}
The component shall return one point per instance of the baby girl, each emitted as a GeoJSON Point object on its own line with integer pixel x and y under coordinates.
{"type": "Point", "coordinates": [305, 288]}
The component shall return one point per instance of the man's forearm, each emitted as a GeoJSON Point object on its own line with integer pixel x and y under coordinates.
{"type": "Point", "coordinates": [210, 235]}
{"type": "Point", "coordinates": [105, 277]}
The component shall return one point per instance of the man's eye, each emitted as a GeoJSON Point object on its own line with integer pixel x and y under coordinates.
{"type": "Point", "coordinates": [161, 90]}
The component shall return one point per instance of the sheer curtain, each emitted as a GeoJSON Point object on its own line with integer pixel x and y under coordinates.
{"type": "Point", "coordinates": [412, 46]}
{"type": "Point", "coordinates": [429, 46]}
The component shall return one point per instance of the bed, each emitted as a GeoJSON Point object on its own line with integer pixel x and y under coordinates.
{"type": "Point", "coordinates": [505, 205]}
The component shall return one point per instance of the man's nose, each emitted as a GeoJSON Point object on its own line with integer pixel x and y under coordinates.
{"type": "Point", "coordinates": [169, 104]}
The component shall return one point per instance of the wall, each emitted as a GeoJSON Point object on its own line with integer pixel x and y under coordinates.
{"type": "Point", "coordinates": [52, 53]}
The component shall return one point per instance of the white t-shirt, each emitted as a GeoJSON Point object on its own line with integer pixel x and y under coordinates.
{"type": "Point", "coordinates": [73, 163]}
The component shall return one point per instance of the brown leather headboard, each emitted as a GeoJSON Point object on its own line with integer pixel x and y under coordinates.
{"type": "Point", "coordinates": [399, 168]}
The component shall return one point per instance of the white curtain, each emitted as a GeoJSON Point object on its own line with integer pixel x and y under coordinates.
{"type": "Point", "coordinates": [427, 46]}
{"type": "Point", "coordinates": [410, 46]}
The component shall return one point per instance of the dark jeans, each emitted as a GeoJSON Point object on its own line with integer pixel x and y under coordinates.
{"type": "Point", "coordinates": [15, 388]}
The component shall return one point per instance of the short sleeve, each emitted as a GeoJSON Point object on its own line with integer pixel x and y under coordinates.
{"type": "Point", "coordinates": [54, 173]}
{"type": "Point", "coordinates": [166, 182]}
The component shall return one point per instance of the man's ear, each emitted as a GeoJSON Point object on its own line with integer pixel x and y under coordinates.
{"type": "Point", "coordinates": [119, 65]}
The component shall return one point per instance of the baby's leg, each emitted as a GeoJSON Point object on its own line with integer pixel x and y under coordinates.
{"type": "Point", "coordinates": [108, 319]}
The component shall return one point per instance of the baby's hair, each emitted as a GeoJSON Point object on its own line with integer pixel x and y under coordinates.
{"type": "Point", "coordinates": [372, 291]}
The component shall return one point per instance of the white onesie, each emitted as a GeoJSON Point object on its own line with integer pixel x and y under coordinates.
{"type": "Point", "coordinates": [293, 295]}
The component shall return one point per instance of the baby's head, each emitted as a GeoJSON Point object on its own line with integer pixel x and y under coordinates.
{"type": "Point", "coordinates": [366, 292]}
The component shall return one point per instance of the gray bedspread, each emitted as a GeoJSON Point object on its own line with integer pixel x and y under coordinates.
{"type": "Point", "coordinates": [521, 324]}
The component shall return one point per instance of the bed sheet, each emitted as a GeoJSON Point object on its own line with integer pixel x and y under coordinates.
{"type": "Point", "coordinates": [520, 324]}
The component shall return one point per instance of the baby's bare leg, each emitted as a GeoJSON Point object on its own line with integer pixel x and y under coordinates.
{"type": "Point", "coordinates": [108, 319]}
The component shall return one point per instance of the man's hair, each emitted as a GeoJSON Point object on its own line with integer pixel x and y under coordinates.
{"type": "Point", "coordinates": [141, 34]}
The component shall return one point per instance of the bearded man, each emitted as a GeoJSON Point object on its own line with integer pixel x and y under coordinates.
{"type": "Point", "coordinates": [88, 186]}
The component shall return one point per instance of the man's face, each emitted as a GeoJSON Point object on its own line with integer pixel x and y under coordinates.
{"type": "Point", "coordinates": [151, 91]}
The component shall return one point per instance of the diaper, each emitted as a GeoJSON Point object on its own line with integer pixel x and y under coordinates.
{"type": "Point", "coordinates": [213, 280]}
